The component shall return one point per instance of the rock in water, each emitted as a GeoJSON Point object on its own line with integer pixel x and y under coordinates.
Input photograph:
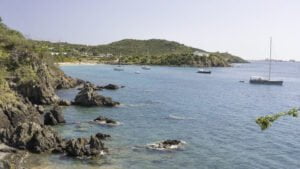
{"type": "Point", "coordinates": [88, 97]}
{"type": "Point", "coordinates": [166, 145]}
{"type": "Point", "coordinates": [105, 121]}
{"type": "Point", "coordinates": [49, 119]}
{"type": "Point", "coordinates": [54, 117]}
{"type": "Point", "coordinates": [111, 87]}
{"type": "Point", "coordinates": [83, 147]}
{"type": "Point", "coordinates": [102, 136]}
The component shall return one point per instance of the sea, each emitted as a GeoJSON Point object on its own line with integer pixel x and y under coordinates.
{"type": "Point", "coordinates": [213, 113]}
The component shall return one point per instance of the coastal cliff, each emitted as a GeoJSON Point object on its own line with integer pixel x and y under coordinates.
{"type": "Point", "coordinates": [28, 81]}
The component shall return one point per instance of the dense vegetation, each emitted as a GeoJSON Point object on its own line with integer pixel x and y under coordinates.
{"type": "Point", "coordinates": [185, 59]}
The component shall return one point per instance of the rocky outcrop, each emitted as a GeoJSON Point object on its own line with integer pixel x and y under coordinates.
{"type": "Point", "coordinates": [33, 137]}
{"type": "Point", "coordinates": [38, 139]}
{"type": "Point", "coordinates": [83, 147]}
{"type": "Point", "coordinates": [16, 110]}
{"type": "Point", "coordinates": [38, 92]}
{"type": "Point", "coordinates": [54, 116]}
{"type": "Point", "coordinates": [66, 82]}
{"type": "Point", "coordinates": [88, 97]}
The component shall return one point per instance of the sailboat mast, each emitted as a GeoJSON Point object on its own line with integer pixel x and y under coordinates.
{"type": "Point", "coordinates": [270, 60]}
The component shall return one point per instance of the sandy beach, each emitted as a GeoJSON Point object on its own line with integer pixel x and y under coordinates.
{"type": "Point", "coordinates": [76, 63]}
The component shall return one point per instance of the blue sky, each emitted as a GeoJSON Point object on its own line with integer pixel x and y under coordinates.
{"type": "Point", "coordinates": [241, 27]}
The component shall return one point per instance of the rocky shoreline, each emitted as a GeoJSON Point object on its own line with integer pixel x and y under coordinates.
{"type": "Point", "coordinates": [26, 124]}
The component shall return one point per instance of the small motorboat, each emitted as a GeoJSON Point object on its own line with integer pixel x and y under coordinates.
{"type": "Point", "coordinates": [204, 71]}
{"type": "Point", "coordinates": [118, 68]}
{"type": "Point", "coordinates": [137, 72]}
{"type": "Point", "coordinates": [146, 67]}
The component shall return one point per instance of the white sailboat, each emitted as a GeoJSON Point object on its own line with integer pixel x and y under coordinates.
{"type": "Point", "coordinates": [263, 80]}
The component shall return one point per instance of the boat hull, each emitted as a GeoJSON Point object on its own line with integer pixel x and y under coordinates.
{"type": "Point", "coordinates": [204, 72]}
{"type": "Point", "coordinates": [266, 82]}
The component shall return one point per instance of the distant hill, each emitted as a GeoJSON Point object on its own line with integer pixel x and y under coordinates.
{"type": "Point", "coordinates": [132, 51]}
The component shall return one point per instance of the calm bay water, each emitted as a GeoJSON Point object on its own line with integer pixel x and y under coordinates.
{"type": "Point", "coordinates": [215, 114]}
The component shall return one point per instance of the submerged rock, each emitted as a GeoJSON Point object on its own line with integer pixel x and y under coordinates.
{"type": "Point", "coordinates": [111, 87]}
{"type": "Point", "coordinates": [54, 116]}
{"type": "Point", "coordinates": [88, 97]}
{"type": "Point", "coordinates": [105, 121]}
{"type": "Point", "coordinates": [167, 145]}
{"type": "Point", "coordinates": [83, 147]}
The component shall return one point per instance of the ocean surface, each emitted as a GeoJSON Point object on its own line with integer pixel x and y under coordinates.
{"type": "Point", "coordinates": [214, 114]}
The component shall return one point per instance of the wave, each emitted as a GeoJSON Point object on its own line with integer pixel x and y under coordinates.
{"type": "Point", "coordinates": [174, 117]}
{"type": "Point", "coordinates": [146, 103]}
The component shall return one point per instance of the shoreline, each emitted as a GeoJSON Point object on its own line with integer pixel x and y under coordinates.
{"type": "Point", "coordinates": [97, 63]}
{"type": "Point", "coordinates": [77, 63]}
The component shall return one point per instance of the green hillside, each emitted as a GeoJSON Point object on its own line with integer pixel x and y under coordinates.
{"type": "Point", "coordinates": [153, 47]}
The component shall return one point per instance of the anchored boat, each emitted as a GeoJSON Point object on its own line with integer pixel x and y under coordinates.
{"type": "Point", "coordinates": [146, 68]}
{"type": "Point", "coordinates": [204, 71]}
{"type": "Point", "coordinates": [263, 80]}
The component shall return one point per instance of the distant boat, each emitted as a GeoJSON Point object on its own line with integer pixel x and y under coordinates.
{"type": "Point", "coordinates": [146, 67]}
{"type": "Point", "coordinates": [119, 67]}
{"type": "Point", "coordinates": [263, 80]}
{"type": "Point", "coordinates": [137, 72]}
{"type": "Point", "coordinates": [204, 71]}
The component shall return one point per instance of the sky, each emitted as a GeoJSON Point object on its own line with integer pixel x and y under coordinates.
{"type": "Point", "coordinates": [240, 27]}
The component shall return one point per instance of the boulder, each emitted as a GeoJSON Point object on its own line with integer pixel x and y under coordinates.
{"type": "Point", "coordinates": [89, 97]}
{"type": "Point", "coordinates": [54, 116]}
{"type": "Point", "coordinates": [83, 147]}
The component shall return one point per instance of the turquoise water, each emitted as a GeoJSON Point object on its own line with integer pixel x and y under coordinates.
{"type": "Point", "coordinates": [215, 114]}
